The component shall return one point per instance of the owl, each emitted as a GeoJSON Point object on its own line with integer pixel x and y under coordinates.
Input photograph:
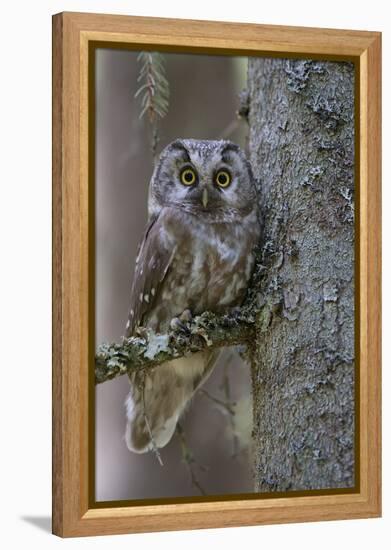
{"type": "Point", "coordinates": [196, 255]}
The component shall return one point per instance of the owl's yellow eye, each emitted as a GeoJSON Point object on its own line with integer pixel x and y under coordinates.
{"type": "Point", "coordinates": [188, 176]}
{"type": "Point", "coordinates": [223, 178]}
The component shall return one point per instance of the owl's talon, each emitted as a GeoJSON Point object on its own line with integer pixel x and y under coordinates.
{"type": "Point", "coordinates": [142, 332]}
{"type": "Point", "coordinates": [178, 326]}
{"type": "Point", "coordinates": [186, 316]}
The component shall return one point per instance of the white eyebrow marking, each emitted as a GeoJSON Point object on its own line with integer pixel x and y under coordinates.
{"type": "Point", "coordinates": [146, 298]}
{"type": "Point", "coordinates": [141, 297]}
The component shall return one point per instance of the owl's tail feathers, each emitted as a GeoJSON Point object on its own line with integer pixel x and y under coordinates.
{"type": "Point", "coordinates": [141, 435]}
{"type": "Point", "coordinates": [154, 405]}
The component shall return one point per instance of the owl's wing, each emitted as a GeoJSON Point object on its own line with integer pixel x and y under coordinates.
{"type": "Point", "coordinates": [152, 264]}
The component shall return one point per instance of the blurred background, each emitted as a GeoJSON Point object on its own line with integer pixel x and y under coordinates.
{"type": "Point", "coordinates": [203, 104]}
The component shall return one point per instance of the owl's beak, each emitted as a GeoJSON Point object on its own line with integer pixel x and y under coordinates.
{"type": "Point", "coordinates": [205, 197]}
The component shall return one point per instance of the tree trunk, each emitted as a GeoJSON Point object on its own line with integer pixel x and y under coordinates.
{"type": "Point", "coordinates": [301, 143]}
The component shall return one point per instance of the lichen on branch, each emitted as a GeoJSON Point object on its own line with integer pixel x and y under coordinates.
{"type": "Point", "coordinates": [149, 349]}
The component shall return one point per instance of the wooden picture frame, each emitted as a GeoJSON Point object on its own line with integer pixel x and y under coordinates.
{"type": "Point", "coordinates": [73, 34]}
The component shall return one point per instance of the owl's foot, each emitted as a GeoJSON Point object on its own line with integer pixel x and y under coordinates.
{"type": "Point", "coordinates": [181, 323]}
{"type": "Point", "coordinates": [186, 316]}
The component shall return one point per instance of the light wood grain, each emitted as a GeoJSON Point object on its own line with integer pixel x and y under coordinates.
{"type": "Point", "coordinates": [72, 33]}
{"type": "Point", "coordinates": [57, 437]}
{"type": "Point", "coordinates": [370, 410]}
{"type": "Point", "coordinates": [192, 33]}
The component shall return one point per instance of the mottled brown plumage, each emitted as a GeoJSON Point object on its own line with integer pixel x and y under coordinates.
{"type": "Point", "coordinates": [196, 254]}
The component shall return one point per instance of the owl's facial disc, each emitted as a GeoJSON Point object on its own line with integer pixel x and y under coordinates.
{"type": "Point", "coordinates": [206, 183]}
{"type": "Point", "coordinates": [212, 179]}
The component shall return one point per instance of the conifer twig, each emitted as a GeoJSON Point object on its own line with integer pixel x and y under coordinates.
{"type": "Point", "coordinates": [153, 91]}
{"type": "Point", "coordinates": [188, 458]}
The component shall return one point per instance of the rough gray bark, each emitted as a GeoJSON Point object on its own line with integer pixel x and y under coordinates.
{"type": "Point", "coordinates": [301, 147]}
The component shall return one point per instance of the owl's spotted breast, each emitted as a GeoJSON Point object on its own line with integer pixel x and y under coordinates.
{"type": "Point", "coordinates": [210, 268]}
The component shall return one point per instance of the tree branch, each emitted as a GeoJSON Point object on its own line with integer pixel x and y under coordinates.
{"type": "Point", "coordinates": [150, 349]}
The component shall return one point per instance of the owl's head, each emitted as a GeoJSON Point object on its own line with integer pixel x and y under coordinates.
{"type": "Point", "coordinates": [209, 178]}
